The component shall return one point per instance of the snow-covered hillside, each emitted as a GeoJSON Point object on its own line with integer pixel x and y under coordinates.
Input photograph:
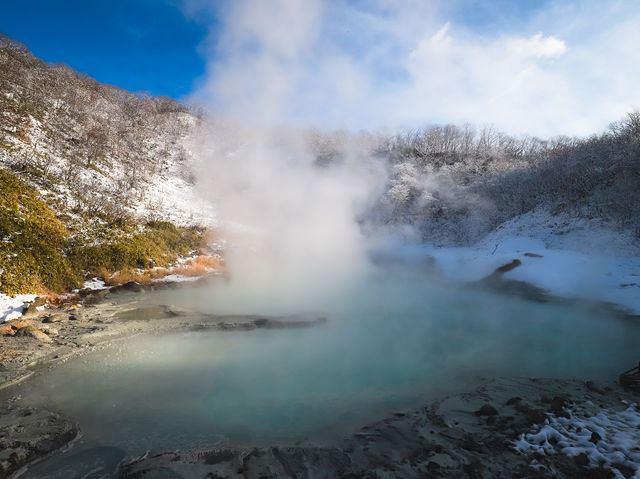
{"type": "Point", "coordinates": [95, 179]}
{"type": "Point", "coordinates": [93, 149]}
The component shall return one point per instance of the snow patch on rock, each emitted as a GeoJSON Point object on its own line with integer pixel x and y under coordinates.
{"type": "Point", "coordinates": [11, 307]}
{"type": "Point", "coordinates": [609, 439]}
{"type": "Point", "coordinates": [94, 284]}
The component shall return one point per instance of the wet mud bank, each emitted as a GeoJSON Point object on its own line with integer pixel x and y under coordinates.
{"type": "Point", "coordinates": [469, 435]}
{"type": "Point", "coordinates": [42, 340]}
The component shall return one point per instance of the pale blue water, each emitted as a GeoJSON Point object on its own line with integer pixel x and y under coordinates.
{"type": "Point", "coordinates": [388, 346]}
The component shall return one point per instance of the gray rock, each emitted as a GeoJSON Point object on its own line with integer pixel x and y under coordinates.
{"type": "Point", "coordinates": [27, 433]}
{"type": "Point", "coordinates": [595, 437]}
{"type": "Point", "coordinates": [581, 460]}
{"type": "Point", "coordinates": [32, 332]}
{"type": "Point", "coordinates": [30, 310]}
{"type": "Point", "coordinates": [171, 310]}
{"type": "Point", "coordinates": [39, 301]}
{"type": "Point", "coordinates": [508, 267]}
{"type": "Point", "coordinates": [55, 318]}
{"type": "Point", "coordinates": [487, 410]}
{"type": "Point", "coordinates": [51, 332]}
{"type": "Point", "coordinates": [129, 286]}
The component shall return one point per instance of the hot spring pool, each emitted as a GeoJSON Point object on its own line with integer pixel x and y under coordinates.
{"type": "Point", "coordinates": [384, 348]}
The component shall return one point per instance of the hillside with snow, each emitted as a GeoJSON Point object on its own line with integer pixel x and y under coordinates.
{"type": "Point", "coordinates": [95, 180]}
{"type": "Point", "coordinates": [96, 150]}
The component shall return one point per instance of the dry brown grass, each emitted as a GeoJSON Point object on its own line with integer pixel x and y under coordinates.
{"type": "Point", "coordinates": [122, 277]}
{"type": "Point", "coordinates": [9, 354]}
{"type": "Point", "coordinates": [190, 270]}
{"type": "Point", "coordinates": [213, 262]}
{"type": "Point", "coordinates": [159, 273]}
{"type": "Point", "coordinates": [104, 274]}
{"type": "Point", "coordinates": [53, 299]}
{"type": "Point", "coordinates": [197, 266]}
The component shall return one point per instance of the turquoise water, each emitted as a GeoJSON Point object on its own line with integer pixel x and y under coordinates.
{"type": "Point", "coordinates": [388, 346]}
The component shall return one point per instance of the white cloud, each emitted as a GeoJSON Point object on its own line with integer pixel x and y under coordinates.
{"type": "Point", "coordinates": [568, 70]}
{"type": "Point", "coordinates": [503, 80]}
{"type": "Point", "coordinates": [537, 46]}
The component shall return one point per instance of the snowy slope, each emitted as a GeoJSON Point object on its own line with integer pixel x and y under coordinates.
{"type": "Point", "coordinates": [575, 258]}
{"type": "Point", "coordinates": [93, 149]}
{"type": "Point", "coordinates": [173, 198]}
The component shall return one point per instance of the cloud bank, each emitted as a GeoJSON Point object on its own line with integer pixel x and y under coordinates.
{"type": "Point", "coordinates": [564, 68]}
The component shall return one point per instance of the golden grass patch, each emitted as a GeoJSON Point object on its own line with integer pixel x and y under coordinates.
{"type": "Point", "coordinates": [192, 267]}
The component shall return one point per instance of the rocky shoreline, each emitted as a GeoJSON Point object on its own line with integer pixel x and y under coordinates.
{"type": "Point", "coordinates": [27, 434]}
{"type": "Point", "coordinates": [41, 340]}
{"type": "Point", "coordinates": [468, 435]}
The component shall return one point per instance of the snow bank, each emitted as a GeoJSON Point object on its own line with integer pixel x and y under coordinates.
{"type": "Point", "coordinates": [176, 278]}
{"type": "Point", "coordinates": [171, 198]}
{"type": "Point", "coordinates": [11, 308]}
{"type": "Point", "coordinates": [564, 232]}
{"type": "Point", "coordinates": [558, 263]}
{"type": "Point", "coordinates": [609, 439]}
{"type": "Point", "coordinates": [94, 284]}
{"type": "Point", "coordinates": [569, 274]}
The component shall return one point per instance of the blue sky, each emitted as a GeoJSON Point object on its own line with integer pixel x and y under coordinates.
{"type": "Point", "coordinates": [543, 67]}
{"type": "Point", "coordinates": [152, 45]}
{"type": "Point", "coordinates": [135, 44]}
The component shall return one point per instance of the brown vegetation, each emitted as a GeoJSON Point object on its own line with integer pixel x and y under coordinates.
{"type": "Point", "coordinates": [54, 299]}
{"type": "Point", "coordinates": [122, 277]}
{"type": "Point", "coordinates": [192, 267]}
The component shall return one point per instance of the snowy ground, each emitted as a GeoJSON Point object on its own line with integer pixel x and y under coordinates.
{"type": "Point", "coordinates": [94, 284]}
{"type": "Point", "coordinates": [171, 198]}
{"type": "Point", "coordinates": [609, 438]}
{"type": "Point", "coordinates": [177, 278]}
{"type": "Point", "coordinates": [11, 308]}
{"type": "Point", "coordinates": [575, 258]}
{"type": "Point", "coordinates": [563, 232]}
{"type": "Point", "coordinates": [570, 274]}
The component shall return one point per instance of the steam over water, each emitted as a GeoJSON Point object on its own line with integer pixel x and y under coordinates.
{"type": "Point", "coordinates": [392, 342]}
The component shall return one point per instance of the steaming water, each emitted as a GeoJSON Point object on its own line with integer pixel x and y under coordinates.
{"type": "Point", "coordinates": [388, 345]}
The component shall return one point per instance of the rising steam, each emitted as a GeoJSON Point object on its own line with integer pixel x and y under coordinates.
{"type": "Point", "coordinates": [275, 68]}
{"type": "Point", "coordinates": [291, 220]}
